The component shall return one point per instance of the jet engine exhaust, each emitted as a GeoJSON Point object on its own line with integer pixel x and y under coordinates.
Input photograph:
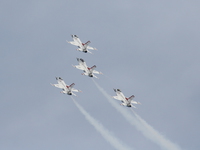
{"type": "Point", "coordinates": [107, 135]}
{"type": "Point", "coordinates": [140, 124]}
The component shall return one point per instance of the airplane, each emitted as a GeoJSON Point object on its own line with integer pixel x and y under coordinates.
{"type": "Point", "coordinates": [87, 71]}
{"type": "Point", "coordinates": [83, 47]}
{"type": "Point", "coordinates": [128, 102]}
{"type": "Point", "coordinates": [66, 89]}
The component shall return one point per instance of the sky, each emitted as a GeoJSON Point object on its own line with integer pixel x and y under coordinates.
{"type": "Point", "coordinates": [149, 49]}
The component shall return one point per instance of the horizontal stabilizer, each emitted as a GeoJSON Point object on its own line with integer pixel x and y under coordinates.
{"type": "Point", "coordinates": [133, 106]}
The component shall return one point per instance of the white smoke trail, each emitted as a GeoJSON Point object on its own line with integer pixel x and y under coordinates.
{"type": "Point", "coordinates": [141, 125]}
{"type": "Point", "coordinates": [116, 143]}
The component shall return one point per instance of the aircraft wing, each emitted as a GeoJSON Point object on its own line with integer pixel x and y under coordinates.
{"type": "Point", "coordinates": [80, 67]}
{"type": "Point", "coordinates": [82, 64]}
{"type": "Point", "coordinates": [74, 43]}
{"type": "Point", "coordinates": [77, 40]}
{"type": "Point", "coordinates": [58, 86]}
{"type": "Point", "coordinates": [97, 72]}
{"type": "Point", "coordinates": [75, 90]}
{"type": "Point", "coordinates": [92, 48]}
{"type": "Point", "coordinates": [61, 83]}
{"type": "Point", "coordinates": [118, 98]}
{"type": "Point", "coordinates": [121, 95]}
{"type": "Point", "coordinates": [134, 102]}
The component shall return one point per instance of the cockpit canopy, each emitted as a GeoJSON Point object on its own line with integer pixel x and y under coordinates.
{"type": "Point", "coordinates": [74, 36]}
{"type": "Point", "coordinates": [59, 78]}
{"type": "Point", "coordinates": [118, 90]}
{"type": "Point", "coordinates": [81, 60]}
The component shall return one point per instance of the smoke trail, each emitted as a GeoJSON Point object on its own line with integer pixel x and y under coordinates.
{"type": "Point", "coordinates": [141, 125]}
{"type": "Point", "coordinates": [116, 143]}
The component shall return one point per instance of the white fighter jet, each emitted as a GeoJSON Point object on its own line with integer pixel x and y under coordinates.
{"type": "Point", "coordinates": [66, 89]}
{"type": "Point", "coordinates": [87, 71]}
{"type": "Point", "coordinates": [128, 102]}
{"type": "Point", "coordinates": [83, 47]}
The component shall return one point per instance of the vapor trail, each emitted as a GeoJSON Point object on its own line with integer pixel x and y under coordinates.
{"type": "Point", "coordinates": [116, 143]}
{"type": "Point", "coordinates": [141, 125]}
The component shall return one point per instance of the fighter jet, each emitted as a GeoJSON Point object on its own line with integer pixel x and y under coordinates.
{"type": "Point", "coordinates": [87, 71]}
{"type": "Point", "coordinates": [83, 47]}
{"type": "Point", "coordinates": [128, 102]}
{"type": "Point", "coordinates": [66, 89]}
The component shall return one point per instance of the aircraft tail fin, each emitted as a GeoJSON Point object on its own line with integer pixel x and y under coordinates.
{"type": "Point", "coordinates": [93, 67]}
{"type": "Point", "coordinates": [71, 86]}
{"type": "Point", "coordinates": [131, 97]}
{"type": "Point", "coordinates": [87, 43]}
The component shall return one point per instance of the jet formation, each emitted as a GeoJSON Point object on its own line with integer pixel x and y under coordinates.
{"type": "Point", "coordinates": [89, 71]}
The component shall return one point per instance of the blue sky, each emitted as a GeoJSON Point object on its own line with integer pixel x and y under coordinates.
{"type": "Point", "coordinates": [149, 49]}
